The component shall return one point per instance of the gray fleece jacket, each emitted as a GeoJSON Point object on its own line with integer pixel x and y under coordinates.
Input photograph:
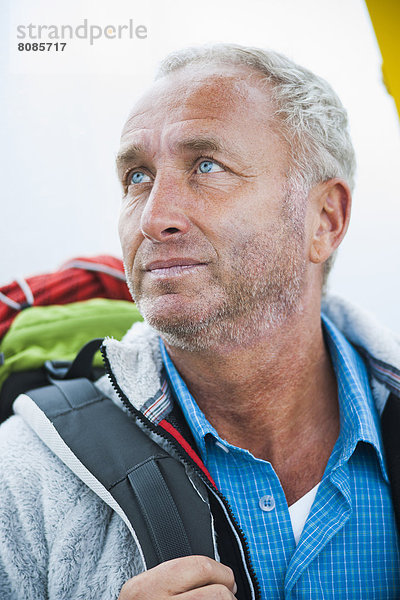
{"type": "Point", "coordinates": [59, 537]}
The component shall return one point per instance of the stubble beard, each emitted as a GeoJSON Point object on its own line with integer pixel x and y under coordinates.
{"type": "Point", "coordinates": [263, 290]}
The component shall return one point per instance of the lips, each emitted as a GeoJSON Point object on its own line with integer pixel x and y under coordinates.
{"type": "Point", "coordinates": [171, 263]}
{"type": "Point", "coordinates": [173, 268]}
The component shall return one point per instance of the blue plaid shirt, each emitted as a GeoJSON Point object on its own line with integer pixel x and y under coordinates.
{"type": "Point", "coordinates": [349, 547]}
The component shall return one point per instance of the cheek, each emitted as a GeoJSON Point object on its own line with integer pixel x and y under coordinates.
{"type": "Point", "coordinates": [129, 235]}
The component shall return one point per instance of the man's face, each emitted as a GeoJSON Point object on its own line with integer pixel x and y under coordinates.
{"type": "Point", "coordinates": [213, 246]}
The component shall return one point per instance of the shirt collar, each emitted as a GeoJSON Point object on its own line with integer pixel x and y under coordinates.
{"type": "Point", "coordinates": [359, 419]}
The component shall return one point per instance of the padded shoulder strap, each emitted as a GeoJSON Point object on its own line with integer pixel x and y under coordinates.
{"type": "Point", "coordinates": [110, 453]}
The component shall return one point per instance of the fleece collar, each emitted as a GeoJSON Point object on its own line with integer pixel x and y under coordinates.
{"type": "Point", "coordinates": [137, 363]}
{"type": "Point", "coordinates": [379, 346]}
{"type": "Point", "coordinates": [137, 366]}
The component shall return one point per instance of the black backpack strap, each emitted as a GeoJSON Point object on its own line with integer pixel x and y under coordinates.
{"type": "Point", "coordinates": [112, 454]}
{"type": "Point", "coordinates": [159, 511]}
{"type": "Point", "coordinates": [19, 382]}
{"type": "Point", "coordinates": [390, 425]}
{"type": "Point", "coordinates": [81, 366]}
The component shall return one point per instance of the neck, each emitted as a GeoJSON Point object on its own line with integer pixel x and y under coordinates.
{"type": "Point", "coordinates": [276, 397]}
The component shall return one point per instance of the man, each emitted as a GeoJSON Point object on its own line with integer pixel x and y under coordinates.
{"type": "Point", "coordinates": [237, 170]}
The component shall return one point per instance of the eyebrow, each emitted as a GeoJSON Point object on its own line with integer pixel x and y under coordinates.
{"type": "Point", "coordinates": [197, 143]}
{"type": "Point", "coordinates": [202, 143]}
{"type": "Point", "coordinates": [128, 154]}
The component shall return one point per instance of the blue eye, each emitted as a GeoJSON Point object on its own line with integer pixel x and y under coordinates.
{"type": "Point", "coordinates": [139, 177]}
{"type": "Point", "coordinates": [209, 166]}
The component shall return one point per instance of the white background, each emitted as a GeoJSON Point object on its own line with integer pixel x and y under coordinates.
{"type": "Point", "coordinates": [61, 114]}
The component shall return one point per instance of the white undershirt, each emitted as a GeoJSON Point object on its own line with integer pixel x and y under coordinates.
{"type": "Point", "coordinates": [300, 510]}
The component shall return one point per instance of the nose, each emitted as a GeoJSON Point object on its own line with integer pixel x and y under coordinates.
{"type": "Point", "coordinates": [164, 215]}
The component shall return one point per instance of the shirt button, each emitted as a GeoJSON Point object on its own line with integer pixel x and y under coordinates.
{"type": "Point", "coordinates": [267, 503]}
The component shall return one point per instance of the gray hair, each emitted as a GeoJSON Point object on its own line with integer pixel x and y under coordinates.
{"type": "Point", "coordinates": [312, 117]}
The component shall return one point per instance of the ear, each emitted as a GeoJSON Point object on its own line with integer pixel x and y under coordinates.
{"type": "Point", "coordinates": [331, 201]}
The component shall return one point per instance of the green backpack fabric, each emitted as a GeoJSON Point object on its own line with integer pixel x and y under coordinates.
{"type": "Point", "coordinates": [57, 332]}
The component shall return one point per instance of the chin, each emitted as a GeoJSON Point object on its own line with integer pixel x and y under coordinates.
{"type": "Point", "coordinates": [181, 325]}
{"type": "Point", "coordinates": [169, 318]}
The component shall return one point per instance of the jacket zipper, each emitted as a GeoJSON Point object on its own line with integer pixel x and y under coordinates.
{"type": "Point", "coordinates": [186, 459]}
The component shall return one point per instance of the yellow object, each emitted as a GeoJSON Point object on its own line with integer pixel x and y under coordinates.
{"type": "Point", "coordinates": [385, 17]}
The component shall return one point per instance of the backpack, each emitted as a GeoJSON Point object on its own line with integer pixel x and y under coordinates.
{"type": "Point", "coordinates": [143, 483]}
{"type": "Point", "coordinates": [49, 317]}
